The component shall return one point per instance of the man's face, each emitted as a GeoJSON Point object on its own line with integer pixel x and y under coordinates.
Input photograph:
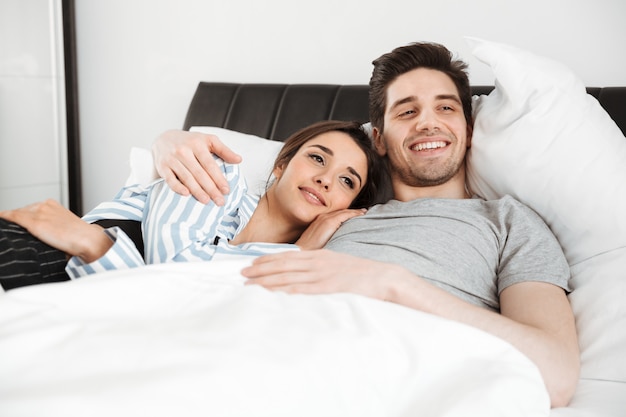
{"type": "Point", "coordinates": [425, 134]}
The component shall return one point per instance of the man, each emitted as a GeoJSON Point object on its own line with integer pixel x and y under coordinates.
{"type": "Point", "coordinates": [491, 264]}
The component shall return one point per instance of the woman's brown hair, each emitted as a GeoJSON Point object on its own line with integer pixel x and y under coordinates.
{"type": "Point", "coordinates": [377, 188]}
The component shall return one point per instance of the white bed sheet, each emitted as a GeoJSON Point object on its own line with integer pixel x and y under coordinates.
{"type": "Point", "coordinates": [595, 398]}
{"type": "Point", "coordinates": [191, 339]}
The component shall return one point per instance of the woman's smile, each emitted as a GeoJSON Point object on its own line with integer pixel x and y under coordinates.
{"type": "Point", "coordinates": [312, 196]}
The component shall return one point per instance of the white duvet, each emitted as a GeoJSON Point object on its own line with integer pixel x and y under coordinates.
{"type": "Point", "coordinates": [192, 340]}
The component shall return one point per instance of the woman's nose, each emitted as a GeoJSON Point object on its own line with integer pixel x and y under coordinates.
{"type": "Point", "coordinates": [323, 181]}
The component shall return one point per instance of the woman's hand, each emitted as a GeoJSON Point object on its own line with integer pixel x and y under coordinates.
{"type": "Point", "coordinates": [184, 159]}
{"type": "Point", "coordinates": [324, 226]}
{"type": "Point", "coordinates": [58, 227]}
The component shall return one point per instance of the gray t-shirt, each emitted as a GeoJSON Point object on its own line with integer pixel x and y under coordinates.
{"type": "Point", "coordinates": [470, 247]}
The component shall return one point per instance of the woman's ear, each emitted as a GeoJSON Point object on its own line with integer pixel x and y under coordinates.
{"type": "Point", "coordinates": [278, 171]}
{"type": "Point", "coordinates": [379, 142]}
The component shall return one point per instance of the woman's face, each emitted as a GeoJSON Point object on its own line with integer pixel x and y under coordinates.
{"type": "Point", "coordinates": [326, 174]}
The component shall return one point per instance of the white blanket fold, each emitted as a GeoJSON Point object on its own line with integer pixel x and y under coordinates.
{"type": "Point", "coordinates": [191, 339]}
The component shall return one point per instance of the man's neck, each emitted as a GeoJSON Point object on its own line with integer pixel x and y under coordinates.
{"type": "Point", "coordinates": [454, 188]}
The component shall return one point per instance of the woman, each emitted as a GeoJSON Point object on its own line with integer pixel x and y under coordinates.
{"type": "Point", "coordinates": [324, 175]}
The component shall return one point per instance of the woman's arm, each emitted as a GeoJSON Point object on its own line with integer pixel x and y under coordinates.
{"type": "Point", "coordinates": [91, 248]}
{"type": "Point", "coordinates": [180, 228]}
{"type": "Point", "coordinates": [57, 226]}
{"type": "Point", "coordinates": [185, 160]}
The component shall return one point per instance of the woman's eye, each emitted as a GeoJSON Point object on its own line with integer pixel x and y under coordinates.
{"type": "Point", "coordinates": [348, 181]}
{"type": "Point", "coordinates": [317, 158]}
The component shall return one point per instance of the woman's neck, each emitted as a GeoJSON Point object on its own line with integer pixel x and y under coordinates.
{"type": "Point", "coordinates": [267, 225]}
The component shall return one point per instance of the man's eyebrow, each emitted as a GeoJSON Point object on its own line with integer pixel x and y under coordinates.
{"type": "Point", "coordinates": [402, 101]}
{"type": "Point", "coordinates": [410, 99]}
{"type": "Point", "coordinates": [452, 97]}
{"type": "Point", "coordinates": [331, 153]}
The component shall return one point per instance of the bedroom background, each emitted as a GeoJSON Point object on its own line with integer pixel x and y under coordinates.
{"type": "Point", "coordinates": [139, 61]}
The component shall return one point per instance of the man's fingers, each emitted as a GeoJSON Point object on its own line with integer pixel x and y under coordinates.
{"type": "Point", "coordinates": [184, 180]}
{"type": "Point", "coordinates": [172, 180]}
{"type": "Point", "coordinates": [211, 176]}
{"type": "Point", "coordinates": [282, 280]}
{"type": "Point", "coordinates": [224, 152]}
{"type": "Point", "coordinates": [202, 187]}
{"type": "Point", "coordinates": [285, 263]}
{"type": "Point", "coordinates": [184, 159]}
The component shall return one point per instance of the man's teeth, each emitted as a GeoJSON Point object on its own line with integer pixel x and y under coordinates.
{"type": "Point", "coordinates": [429, 145]}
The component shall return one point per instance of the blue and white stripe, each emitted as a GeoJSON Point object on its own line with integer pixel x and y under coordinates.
{"type": "Point", "coordinates": [175, 228]}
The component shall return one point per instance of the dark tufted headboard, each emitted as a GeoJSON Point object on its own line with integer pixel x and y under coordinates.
{"type": "Point", "coordinates": [275, 111]}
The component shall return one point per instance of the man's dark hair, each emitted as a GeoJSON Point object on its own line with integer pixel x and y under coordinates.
{"type": "Point", "coordinates": [407, 58]}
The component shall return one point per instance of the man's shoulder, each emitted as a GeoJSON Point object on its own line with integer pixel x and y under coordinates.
{"type": "Point", "coordinates": [505, 206]}
{"type": "Point", "coordinates": [508, 203]}
{"type": "Point", "coordinates": [519, 217]}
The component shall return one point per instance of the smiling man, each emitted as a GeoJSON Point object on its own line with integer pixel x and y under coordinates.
{"type": "Point", "coordinates": [494, 265]}
{"type": "Point", "coordinates": [435, 247]}
{"type": "Point", "coordinates": [425, 135]}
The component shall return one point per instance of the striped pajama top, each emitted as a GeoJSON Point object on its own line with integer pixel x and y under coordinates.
{"type": "Point", "coordinates": [175, 228]}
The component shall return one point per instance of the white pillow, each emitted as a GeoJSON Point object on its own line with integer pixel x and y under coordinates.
{"type": "Point", "coordinates": [142, 169]}
{"type": "Point", "coordinates": [257, 154]}
{"type": "Point", "coordinates": [539, 137]}
{"type": "Point", "coordinates": [542, 138]}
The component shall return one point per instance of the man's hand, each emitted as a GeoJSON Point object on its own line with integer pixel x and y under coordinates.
{"type": "Point", "coordinates": [322, 272]}
{"type": "Point", "coordinates": [324, 226]}
{"type": "Point", "coordinates": [184, 159]}
{"type": "Point", "coordinates": [58, 227]}
{"type": "Point", "coordinates": [536, 317]}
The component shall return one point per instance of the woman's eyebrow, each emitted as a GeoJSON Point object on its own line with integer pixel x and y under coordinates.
{"type": "Point", "coordinates": [356, 174]}
{"type": "Point", "coordinates": [324, 148]}
{"type": "Point", "coordinates": [331, 153]}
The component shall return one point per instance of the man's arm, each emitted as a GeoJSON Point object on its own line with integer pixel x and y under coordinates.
{"type": "Point", "coordinates": [185, 160]}
{"type": "Point", "coordinates": [536, 317]}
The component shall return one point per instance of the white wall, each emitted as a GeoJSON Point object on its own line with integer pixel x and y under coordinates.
{"type": "Point", "coordinates": [33, 164]}
{"type": "Point", "coordinates": [139, 60]}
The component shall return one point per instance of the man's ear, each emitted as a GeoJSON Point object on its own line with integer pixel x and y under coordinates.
{"type": "Point", "coordinates": [379, 142]}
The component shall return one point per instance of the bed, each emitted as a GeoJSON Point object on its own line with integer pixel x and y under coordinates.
{"type": "Point", "coordinates": [191, 339]}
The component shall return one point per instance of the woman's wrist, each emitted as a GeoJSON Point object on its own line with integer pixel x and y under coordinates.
{"type": "Point", "coordinates": [94, 244]}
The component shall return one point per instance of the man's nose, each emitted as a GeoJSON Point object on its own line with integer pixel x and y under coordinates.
{"type": "Point", "coordinates": [426, 120]}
